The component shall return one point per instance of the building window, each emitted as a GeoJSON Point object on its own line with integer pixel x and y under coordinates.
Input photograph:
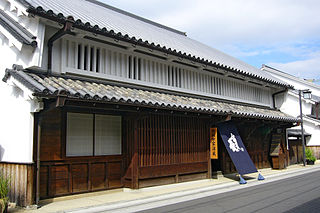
{"type": "Point", "coordinates": [107, 135]}
{"type": "Point", "coordinates": [79, 134]}
{"type": "Point", "coordinates": [93, 135]}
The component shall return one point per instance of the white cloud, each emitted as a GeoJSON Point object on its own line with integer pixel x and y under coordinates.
{"type": "Point", "coordinates": [241, 21]}
{"type": "Point", "coordinates": [245, 21]}
{"type": "Point", "coordinates": [308, 69]}
{"type": "Point", "coordinates": [241, 52]}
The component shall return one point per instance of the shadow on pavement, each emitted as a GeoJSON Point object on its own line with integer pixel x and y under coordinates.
{"type": "Point", "coordinates": [312, 206]}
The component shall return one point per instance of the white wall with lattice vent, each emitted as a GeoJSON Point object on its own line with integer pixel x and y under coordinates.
{"type": "Point", "coordinates": [86, 57]}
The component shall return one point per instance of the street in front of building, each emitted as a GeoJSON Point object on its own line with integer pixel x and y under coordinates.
{"type": "Point", "coordinates": [296, 194]}
{"type": "Point", "coordinates": [281, 189]}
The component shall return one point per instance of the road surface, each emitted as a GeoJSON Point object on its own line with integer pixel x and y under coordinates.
{"type": "Point", "coordinates": [299, 194]}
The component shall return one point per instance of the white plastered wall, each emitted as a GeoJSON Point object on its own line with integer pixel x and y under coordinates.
{"type": "Point", "coordinates": [17, 103]}
{"type": "Point", "coordinates": [289, 103]}
{"type": "Point", "coordinates": [17, 122]}
{"type": "Point", "coordinates": [314, 130]}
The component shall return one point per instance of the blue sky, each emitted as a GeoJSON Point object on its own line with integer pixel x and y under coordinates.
{"type": "Point", "coordinates": [283, 34]}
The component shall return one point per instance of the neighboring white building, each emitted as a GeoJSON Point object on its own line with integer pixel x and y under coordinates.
{"type": "Point", "coordinates": [288, 102]}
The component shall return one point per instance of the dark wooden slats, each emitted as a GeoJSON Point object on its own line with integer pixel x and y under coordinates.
{"type": "Point", "coordinates": [51, 145]}
{"type": "Point", "coordinates": [80, 177]}
{"type": "Point", "coordinates": [171, 170]}
{"type": "Point", "coordinates": [58, 180]}
{"type": "Point", "coordinates": [21, 182]}
{"type": "Point", "coordinates": [114, 175]}
{"type": "Point", "coordinates": [98, 176]}
{"type": "Point", "coordinates": [167, 140]}
{"type": "Point", "coordinates": [69, 177]}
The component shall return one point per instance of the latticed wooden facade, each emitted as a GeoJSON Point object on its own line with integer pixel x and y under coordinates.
{"type": "Point", "coordinates": [157, 147]}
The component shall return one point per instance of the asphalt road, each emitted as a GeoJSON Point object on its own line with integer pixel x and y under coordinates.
{"type": "Point", "coordinates": [299, 194]}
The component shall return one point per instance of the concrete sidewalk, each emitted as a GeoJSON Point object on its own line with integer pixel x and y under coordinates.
{"type": "Point", "coordinates": [124, 198]}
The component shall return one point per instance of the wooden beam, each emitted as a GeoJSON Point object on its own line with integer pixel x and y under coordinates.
{"type": "Point", "coordinates": [61, 100]}
{"type": "Point", "coordinates": [135, 158]}
{"type": "Point", "coordinates": [39, 122]}
{"type": "Point", "coordinates": [209, 174]}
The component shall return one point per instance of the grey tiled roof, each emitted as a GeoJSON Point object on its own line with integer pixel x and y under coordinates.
{"type": "Point", "coordinates": [88, 89]}
{"type": "Point", "coordinates": [16, 30]}
{"type": "Point", "coordinates": [297, 132]}
{"type": "Point", "coordinates": [103, 19]}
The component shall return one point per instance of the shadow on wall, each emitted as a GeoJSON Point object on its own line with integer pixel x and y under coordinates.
{"type": "Point", "coordinates": [1, 152]}
{"type": "Point", "coordinates": [17, 92]}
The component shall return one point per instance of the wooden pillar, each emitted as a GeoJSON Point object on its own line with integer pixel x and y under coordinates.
{"type": "Point", "coordinates": [207, 133]}
{"type": "Point", "coordinates": [30, 185]}
{"type": "Point", "coordinates": [39, 122]}
{"type": "Point", "coordinates": [135, 157]}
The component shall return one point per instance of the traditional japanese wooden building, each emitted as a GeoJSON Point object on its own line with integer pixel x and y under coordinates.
{"type": "Point", "coordinates": [116, 100]}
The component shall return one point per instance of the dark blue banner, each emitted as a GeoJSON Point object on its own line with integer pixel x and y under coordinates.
{"type": "Point", "coordinates": [236, 149]}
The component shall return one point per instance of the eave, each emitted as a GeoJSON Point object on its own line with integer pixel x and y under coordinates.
{"type": "Point", "coordinates": [88, 90]}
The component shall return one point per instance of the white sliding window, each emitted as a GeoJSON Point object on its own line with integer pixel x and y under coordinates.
{"type": "Point", "coordinates": [93, 134]}
{"type": "Point", "coordinates": [107, 135]}
{"type": "Point", "coordinates": [79, 134]}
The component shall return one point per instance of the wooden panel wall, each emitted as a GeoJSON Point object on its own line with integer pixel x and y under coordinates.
{"type": "Point", "coordinates": [316, 151]}
{"type": "Point", "coordinates": [295, 151]}
{"type": "Point", "coordinates": [256, 138]}
{"type": "Point", "coordinates": [21, 182]}
{"type": "Point", "coordinates": [167, 140]}
{"type": "Point", "coordinates": [51, 133]}
{"type": "Point", "coordinates": [76, 176]}
{"type": "Point", "coordinates": [128, 135]}
{"type": "Point", "coordinates": [154, 146]}
{"type": "Point", "coordinates": [168, 147]}
{"type": "Point", "coordinates": [60, 175]}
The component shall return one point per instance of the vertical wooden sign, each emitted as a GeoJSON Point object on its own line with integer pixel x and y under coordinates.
{"type": "Point", "coordinates": [213, 143]}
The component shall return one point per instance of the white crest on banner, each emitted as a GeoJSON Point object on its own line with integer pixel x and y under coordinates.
{"type": "Point", "coordinates": [233, 144]}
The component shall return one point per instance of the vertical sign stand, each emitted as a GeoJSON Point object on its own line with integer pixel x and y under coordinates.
{"type": "Point", "coordinates": [213, 143]}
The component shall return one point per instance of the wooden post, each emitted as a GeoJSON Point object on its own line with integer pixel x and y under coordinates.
{"type": "Point", "coordinates": [69, 178]}
{"type": "Point", "coordinates": [135, 157]}
{"type": "Point", "coordinates": [209, 175]}
{"type": "Point", "coordinates": [30, 185]}
{"type": "Point", "coordinates": [38, 160]}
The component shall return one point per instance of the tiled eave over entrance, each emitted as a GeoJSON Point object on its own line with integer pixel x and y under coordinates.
{"type": "Point", "coordinates": [92, 90]}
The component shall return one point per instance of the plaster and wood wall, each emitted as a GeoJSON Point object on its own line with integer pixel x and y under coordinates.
{"type": "Point", "coordinates": [156, 149]}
